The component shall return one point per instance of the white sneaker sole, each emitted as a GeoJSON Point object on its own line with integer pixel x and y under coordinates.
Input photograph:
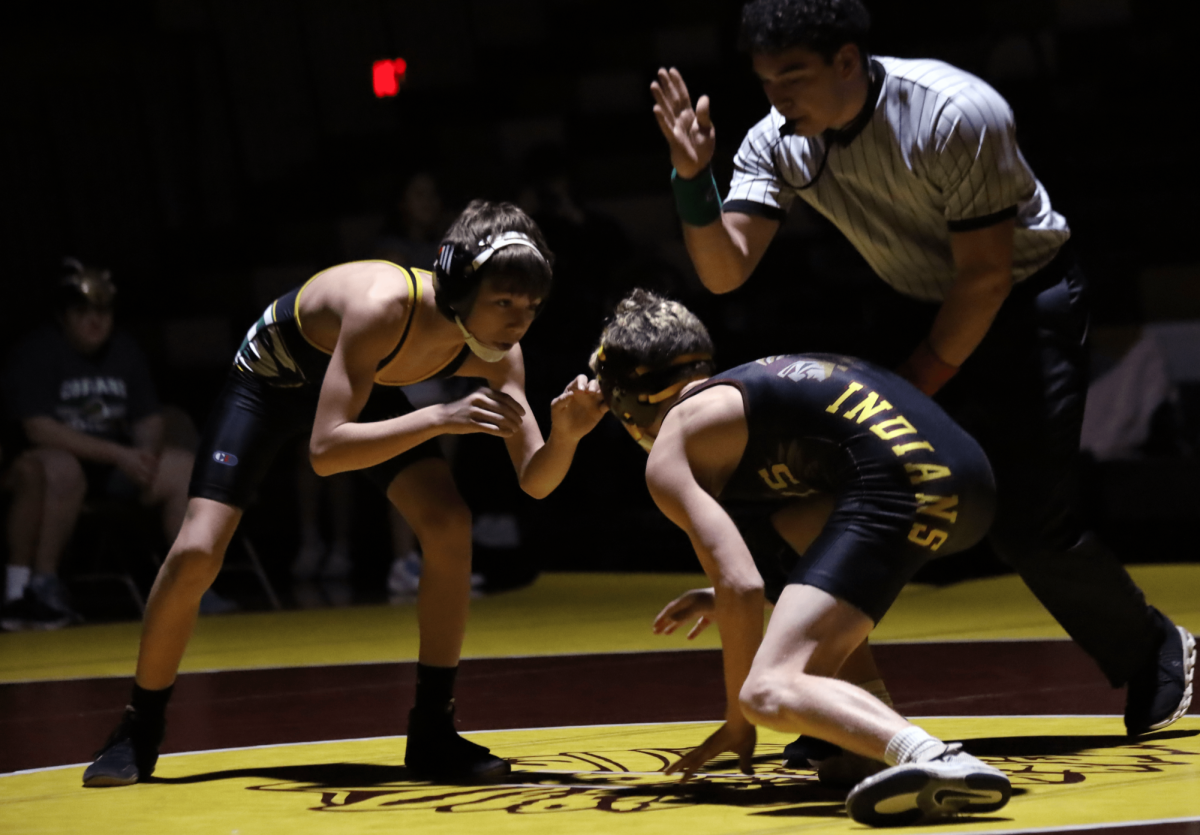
{"type": "Point", "coordinates": [1189, 671]}
{"type": "Point", "coordinates": [906, 794]}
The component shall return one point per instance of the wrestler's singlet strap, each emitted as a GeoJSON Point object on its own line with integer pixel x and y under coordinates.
{"type": "Point", "coordinates": [414, 293]}
{"type": "Point", "coordinates": [449, 366]}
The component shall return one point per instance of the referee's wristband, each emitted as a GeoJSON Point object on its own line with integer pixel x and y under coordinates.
{"type": "Point", "coordinates": [926, 370]}
{"type": "Point", "coordinates": [697, 200]}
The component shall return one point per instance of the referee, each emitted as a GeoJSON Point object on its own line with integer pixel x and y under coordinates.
{"type": "Point", "coordinates": [916, 162]}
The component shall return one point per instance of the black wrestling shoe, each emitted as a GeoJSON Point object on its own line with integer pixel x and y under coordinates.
{"type": "Point", "coordinates": [128, 756]}
{"type": "Point", "coordinates": [1161, 692]}
{"type": "Point", "coordinates": [835, 766]}
{"type": "Point", "coordinates": [436, 752]}
{"type": "Point", "coordinates": [954, 783]}
{"type": "Point", "coordinates": [807, 751]}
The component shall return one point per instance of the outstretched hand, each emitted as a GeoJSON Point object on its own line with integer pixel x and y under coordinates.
{"type": "Point", "coordinates": [576, 411]}
{"type": "Point", "coordinates": [697, 603]}
{"type": "Point", "coordinates": [739, 739]}
{"type": "Point", "coordinates": [689, 132]}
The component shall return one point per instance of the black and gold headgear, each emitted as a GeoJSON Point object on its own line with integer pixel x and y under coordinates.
{"type": "Point", "coordinates": [633, 392]}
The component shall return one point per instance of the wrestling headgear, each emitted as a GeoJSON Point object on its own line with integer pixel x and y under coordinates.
{"type": "Point", "coordinates": [634, 392]}
{"type": "Point", "coordinates": [455, 280]}
{"type": "Point", "coordinates": [455, 272]}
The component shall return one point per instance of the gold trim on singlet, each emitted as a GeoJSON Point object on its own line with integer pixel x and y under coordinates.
{"type": "Point", "coordinates": [296, 313]}
{"type": "Point", "coordinates": [382, 371]}
{"type": "Point", "coordinates": [415, 293]}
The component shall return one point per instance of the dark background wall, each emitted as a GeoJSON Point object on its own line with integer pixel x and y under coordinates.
{"type": "Point", "coordinates": [212, 151]}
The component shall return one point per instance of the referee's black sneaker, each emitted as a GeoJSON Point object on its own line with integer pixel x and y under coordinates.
{"type": "Point", "coordinates": [128, 756]}
{"type": "Point", "coordinates": [436, 752]}
{"type": "Point", "coordinates": [953, 783]}
{"type": "Point", "coordinates": [1161, 692]}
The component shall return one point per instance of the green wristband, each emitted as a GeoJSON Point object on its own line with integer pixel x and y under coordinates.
{"type": "Point", "coordinates": [697, 200]}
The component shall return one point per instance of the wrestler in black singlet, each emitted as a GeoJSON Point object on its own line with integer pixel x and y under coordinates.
{"type": "Point", "coordinates": [270, 397]}
{"type": "Point", "coordinates": [908, 483]}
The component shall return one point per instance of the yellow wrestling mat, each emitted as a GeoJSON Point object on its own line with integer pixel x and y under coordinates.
{"type": "Point", "coordinates": [560, 614]}
{"type": "Point", "coordinates": [1066, 772]}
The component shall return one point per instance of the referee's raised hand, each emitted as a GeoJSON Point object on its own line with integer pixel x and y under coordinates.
{"type": "Point", "coordinates": [689, 131]}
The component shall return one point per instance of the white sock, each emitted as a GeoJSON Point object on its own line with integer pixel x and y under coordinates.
{"type": "Point", "coordinates": [879, 690]}
{"type": "Point", "coordinates": [16, 579]}
{"type": "Point", "coordinates": [913, 745]}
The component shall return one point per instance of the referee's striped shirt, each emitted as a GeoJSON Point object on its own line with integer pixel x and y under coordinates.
{"type": "Point", "coordinates": [938, 155]}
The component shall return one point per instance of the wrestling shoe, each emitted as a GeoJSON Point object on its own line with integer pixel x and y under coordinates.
{"type": "Point", "coordinates": [128, 756]}
{"type": "Point", "coordinates": [835, 766]}
{"type": "Point", "coordinates": [807, 751]}
{"type": "Point", "coordinates": [954, 783]}
{"type": "Point", "coordinates": [1161, 692]}
{"type": "Point", "coordinates": [436, 752]}
{"type": "Point", "coordinates": [846, 769]}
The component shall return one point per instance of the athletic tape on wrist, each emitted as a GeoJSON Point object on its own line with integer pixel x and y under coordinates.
{"type": "Point", "coordinates": [697, 200]}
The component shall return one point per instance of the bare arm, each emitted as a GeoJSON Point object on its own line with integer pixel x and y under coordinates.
{"type": "Point", "coordinates": [726, 253]}
{"type": "Point", "coordinates": [723, 253]}
{"type": "Point", "coordinates": [542, 465]}
{"type": "Point", "coordinates": [139, 463]}
{"type": "Point", "coordinates": [45, 431]}
{"type": "Point", "coordinates": [339, 443]}
{"type": "Point", "coordinates": [737, 585]}
{"type": "Point", "coordinates": [983, 280]}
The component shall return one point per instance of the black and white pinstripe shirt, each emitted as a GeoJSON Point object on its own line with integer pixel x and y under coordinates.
{"type": "Point", "coordinates": [937, 155]}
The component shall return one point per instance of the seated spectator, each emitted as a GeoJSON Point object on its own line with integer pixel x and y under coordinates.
{"type": "Point", "coordinates": [82, 393]}
{"type": "Point", "coordinates": [29, 582]}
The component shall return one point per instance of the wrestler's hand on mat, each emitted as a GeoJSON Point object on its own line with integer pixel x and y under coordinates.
{"type": "Point", "coordinates": [485, 410]}
{"type": "Point", "coordinates": [738, 737]}
{"type": "Point", "coordinates": [689, 131]}
{"type": "Point", "coordinates": [576, 411]}
{"type": "Point", "coordinates": [697, 603]}
{"type": "Point", "coordinates": [140, 465]}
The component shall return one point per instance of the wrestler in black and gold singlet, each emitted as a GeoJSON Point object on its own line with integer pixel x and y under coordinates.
{"type": "Point", "coordinates": [270, 397]}
{"type": "Point", "coordinates": [908, 483]}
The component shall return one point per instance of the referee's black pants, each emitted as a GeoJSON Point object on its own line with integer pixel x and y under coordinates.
{"type": "Point", "coordinates": [1021, 394]}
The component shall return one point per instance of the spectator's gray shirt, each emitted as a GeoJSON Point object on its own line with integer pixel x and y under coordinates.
{"type": "Point", "coordinates": [938, 154]}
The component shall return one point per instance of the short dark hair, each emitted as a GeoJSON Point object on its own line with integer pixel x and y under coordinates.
{"type": "Point", "coordinates": [514, 269]}
{"type": "Point", "coordinates": [823, 26]}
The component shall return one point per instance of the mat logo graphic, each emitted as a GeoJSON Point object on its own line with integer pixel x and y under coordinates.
{"type": "Point", "coordinates": [226, 458]}
{"type": "Point", "coordinates": [623, 782]}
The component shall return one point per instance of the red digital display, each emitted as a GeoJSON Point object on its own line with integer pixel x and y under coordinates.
{"type": "Point", "coordinates": [387, 76]}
